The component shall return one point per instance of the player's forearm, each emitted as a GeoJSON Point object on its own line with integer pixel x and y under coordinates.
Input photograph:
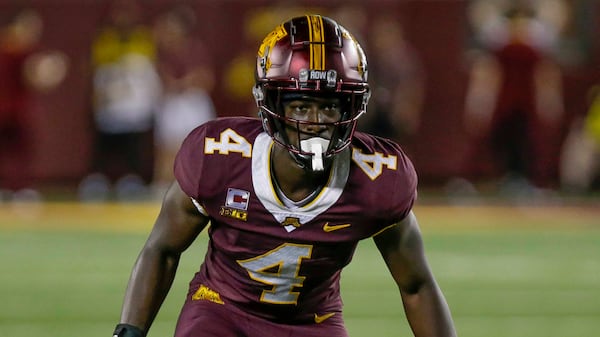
{"type": "Point", "coordinates": [150, 281]}
{"type": "Point", "coordinates": [428, 312]}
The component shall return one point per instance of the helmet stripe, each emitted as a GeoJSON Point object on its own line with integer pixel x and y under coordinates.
{"type": "Point", "coordinates": [316, 38]}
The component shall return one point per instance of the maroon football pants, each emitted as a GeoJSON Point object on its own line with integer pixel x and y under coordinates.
{"type": "Point", "coordinates": [202, 318]}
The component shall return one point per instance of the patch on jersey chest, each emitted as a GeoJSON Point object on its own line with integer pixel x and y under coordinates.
{"type": "Point", "coordinates": [236, 204]}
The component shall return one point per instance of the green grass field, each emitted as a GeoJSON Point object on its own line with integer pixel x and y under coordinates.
{"type": "Point", "coordinates": [506, 271]}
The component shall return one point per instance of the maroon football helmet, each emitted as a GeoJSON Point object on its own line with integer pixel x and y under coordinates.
{"type": "Point", "coordinates": [311, 55]}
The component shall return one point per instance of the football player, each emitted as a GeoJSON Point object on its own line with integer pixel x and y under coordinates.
{"type": "Point", "coordinates": [288, 196]}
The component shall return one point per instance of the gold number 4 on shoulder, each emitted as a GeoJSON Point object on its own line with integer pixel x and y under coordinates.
{"type": "Point", "coordinates": [372, 164]}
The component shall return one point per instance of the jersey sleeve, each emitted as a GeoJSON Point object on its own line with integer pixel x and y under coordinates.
{"type": "Point", "coordinates": [189, 161]}
{"type": "Point", "coordinates": [392, 184]}
{"type": "Point", "coordinates": [405, 189]}
{"type": "Point", "coordinates": [212, 146]}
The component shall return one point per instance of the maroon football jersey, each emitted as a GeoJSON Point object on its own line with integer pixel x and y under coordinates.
{"type": "Point", "coordinates": [276, 262]}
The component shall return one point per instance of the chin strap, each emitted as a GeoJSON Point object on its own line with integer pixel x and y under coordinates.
{"type": "Point", "coordinates": [317, 146]}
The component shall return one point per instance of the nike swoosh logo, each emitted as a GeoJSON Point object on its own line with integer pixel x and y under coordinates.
{"type": "Point", "coordinates": [330, 228]}
{"type": "Point", "coordinates": [322, 318]}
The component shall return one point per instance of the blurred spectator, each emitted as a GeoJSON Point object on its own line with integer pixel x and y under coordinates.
{"type": "Point", "coordinates": [185, 67]}
{"type": "Point", "coordinates": [397, 78]}
{"type": "Point", "coordinates": [126, 89]}
{"type": "Point", "coordinates": [514, 102]}
{"type": "Point", "coordinates": [580, 157]}
{"type": "Point", "coordinates": [25, 68]}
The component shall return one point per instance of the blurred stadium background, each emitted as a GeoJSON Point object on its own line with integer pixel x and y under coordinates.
{"type": "Point", "coordinates": [438, 30]}
{"type": "Point", "coordinates": [522, 267]}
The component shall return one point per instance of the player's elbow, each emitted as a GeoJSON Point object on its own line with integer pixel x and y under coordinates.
{"type": "Point", "coordinates": [158, 253]}
{"type": "Point", "coordinates": [416, 284]}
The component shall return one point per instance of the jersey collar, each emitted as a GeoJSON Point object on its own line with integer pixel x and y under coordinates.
{"type": "Point", "coordinates": [265, 190]}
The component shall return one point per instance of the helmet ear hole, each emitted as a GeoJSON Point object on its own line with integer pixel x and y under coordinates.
{"type": "Point", "coordinates": [266, 123]}
{"type": "Point", "coordinates": [258, 94]}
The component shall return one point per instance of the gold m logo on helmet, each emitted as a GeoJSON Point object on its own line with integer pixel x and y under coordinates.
{"type": "Point", "coordinates": [362, 60]}
{"type": "Point", "coordinates": [269, 41]}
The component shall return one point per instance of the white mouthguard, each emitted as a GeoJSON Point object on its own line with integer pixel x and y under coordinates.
{"type": "Point", "coordinates": [317, 146]}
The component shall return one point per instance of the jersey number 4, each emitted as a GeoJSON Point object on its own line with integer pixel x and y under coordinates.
{"type": "Point", "coordinates": [279, 269]}
{"type": "Point", "coordinates": [372, 164]}
{"type": "Point", "coordinates": [229, 141]}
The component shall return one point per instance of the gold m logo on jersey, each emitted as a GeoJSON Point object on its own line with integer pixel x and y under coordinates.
{"type": "Point", "coordinates": [291, 221]}
{"type": "Point", "coordinates": [207, 294]}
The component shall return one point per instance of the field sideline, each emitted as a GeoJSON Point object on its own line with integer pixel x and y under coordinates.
{"type": "Point", "coordinates": [136, 217]}
{"type": "Point", "coordinates": [506, 271]}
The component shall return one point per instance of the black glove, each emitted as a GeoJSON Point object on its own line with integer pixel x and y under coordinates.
{"type": "Point", "coordinates": [128, 330]}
